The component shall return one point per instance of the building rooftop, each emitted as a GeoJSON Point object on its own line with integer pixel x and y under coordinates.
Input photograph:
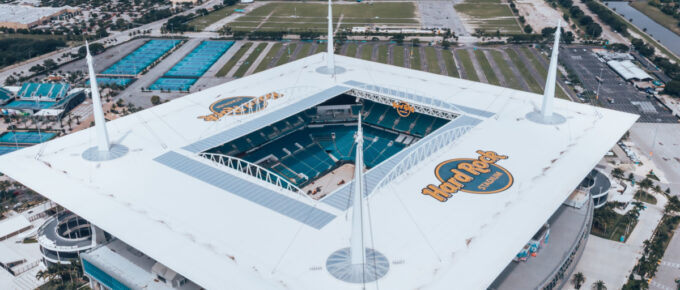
{"type": "Point", "coordinates": [628, 70]}
{"type": "Point", "coordinates": [218, 226]}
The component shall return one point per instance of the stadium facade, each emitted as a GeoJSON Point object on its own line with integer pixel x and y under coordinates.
{"type": "Point", "coordinates": [253, 184]}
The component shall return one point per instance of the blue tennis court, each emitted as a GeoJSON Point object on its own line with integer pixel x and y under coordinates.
{"type": "Point", "coordinates": [200, 59]}
{"type": "Point", "coordinates": [123, 82]}
{"type": "Point", "coordinates": [29, 105]}
{"type": "Point", "coordinates": [172, 84]}
{"type": "Point", "coordinates": [8, 149]}
{"type": "Point", "coordinates": [142, 57]}
{"type": "Point", "coordinates": [26, 137]}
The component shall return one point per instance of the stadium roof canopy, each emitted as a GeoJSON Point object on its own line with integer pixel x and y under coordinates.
{"type": "Point", "coordinates": [220, 227]}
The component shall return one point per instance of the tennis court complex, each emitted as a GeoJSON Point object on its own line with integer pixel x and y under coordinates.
{"type": "Point", "coordinates": [28, 105]}
{"type": "Point", "coordinates": [123, 82]}
{"type": "Point", "coordinates": [135, 62]}
{"type": "Point", "coordinates": [185, 73]}
{"type": "Point", "coordinates": [26, 137]}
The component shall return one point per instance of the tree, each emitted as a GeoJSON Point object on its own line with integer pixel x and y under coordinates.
{"type": "Point", "coordinates": [528, 29]}
{"type": "Point", "coordinates": [594, 30]}
{"type": "Point", "coordinates": [578, 280]}
{"type": "Point", "coordinates": [155, 100]}
{"type": "Point", "coordinates": [672, 88]}
{"type": "Point", "coordinates": [599, 285]}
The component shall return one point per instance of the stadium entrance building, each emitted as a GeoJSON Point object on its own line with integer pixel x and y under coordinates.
{"type": "Point", "coordinates": [251, 183]}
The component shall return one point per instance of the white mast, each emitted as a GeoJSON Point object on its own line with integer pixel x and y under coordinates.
{"type": "Point", "coordinates": [549, 93]}
{"type": "Point", "coordinates": [357, 249]}
{"type": "Point", "coordinates": [99, 122]}
{"type": "Point", "coordinates": [330, 58]}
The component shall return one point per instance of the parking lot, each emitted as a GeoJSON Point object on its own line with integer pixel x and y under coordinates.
{"type": "Point", "coordinates": [614, 92]}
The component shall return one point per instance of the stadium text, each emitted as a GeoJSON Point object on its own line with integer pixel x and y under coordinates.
{"type": "Point", "coordinates": [480, 176]}
{"type": "Point", "coordinates": [238, 106]}
{"type": "Point", "coordinates": [403, 109]}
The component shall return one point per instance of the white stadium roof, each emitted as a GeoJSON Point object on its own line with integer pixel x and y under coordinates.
{"type": "Point", "coordinates": [220, 227]}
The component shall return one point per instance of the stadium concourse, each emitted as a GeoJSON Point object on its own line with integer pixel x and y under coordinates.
{"type": "Point", "coordinates": [204, 191]}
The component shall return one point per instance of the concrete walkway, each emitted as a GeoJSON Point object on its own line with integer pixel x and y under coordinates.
{"type": "Point", "coordinates": [611, 261]}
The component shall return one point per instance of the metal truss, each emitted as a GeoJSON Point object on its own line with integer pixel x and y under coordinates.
{"type": "Point", "coordinates": [424, 105]}
{"type": "Point", "coordinates": [253, 170]}
{"type": "Point", "coordinates": [422, 152]}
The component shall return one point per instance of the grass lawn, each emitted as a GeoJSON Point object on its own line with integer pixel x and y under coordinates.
{"type": "Point", "coordinates": [382, 53]}
{"type": "Point", "coordinates": [533, 84]}
{"type": "Point", "coordinates": [415, 58]}
{"type": "Point", "coordinates": [489, 15]}
{"type": "Point", "coordinates": [645, 197]}
{"type": "Point", "coordinates": [312, 16]}
{"type": "Point", "coordinates": [264, 64]}
{"type": "Point", "coordinates": [450, 63]}
{"type": "Point", "coordinates": [200, 23]}
{"type": "Point", "coordinates": [612, 227]}
{"type": "Point", "coordinates": [241, 71]}
{"type": "Point", "coordinates": [305, 50]}
{"type": "Point", "coordinates": [486, 67]}
{"type": "Point", "coordinates": [559, 92]}
{"type": "Point", "coordinates": [469, 68]}
{"type": "Point", "coordinates": [398, 55]}
{"type": "Point", "coordinates": [288, 51]}
{"type": "Point", "coordinates": [321, 47]}
{"type": "Point", "coordinates": [351, 50]}
{"type": "Point", "coordinates": [510, 78]}
{"type": "Point", "coordinates": [656, 15]}
{"type": "Point", "coordinates": [366, 51]}
{"type": "Point", "coordinates": [234, 59]}
{"type": "Point", "coordinates": [432, 60]}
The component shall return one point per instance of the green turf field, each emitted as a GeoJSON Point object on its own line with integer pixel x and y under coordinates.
{"type": "Point", "coordinates": [510, 78]}
{"type": "Point", "coordinates": [559, 92]}
{"type": "Point", "coordinates": [468, 67]}
{"type": "Point", "coordinates": [382, 53]}
{"type": "Point", "coordinates": [526, 75]}
{"type": "Point", "coordinates": [201, 22]}
{"type": "Point", "coordinates": [415, 57]}
{"type": "Point", "coordinates": [450, 63]}
{"type": "Point", "coordinates": [398, 55]}
{"type": "Point", "coordinates": [351, 50]}
{"type": "Point", "coordinates": [305, 50]}
{"type": "Point", "coordinates": [432, 60]}
{"type": "Point", "coordinates": [366, 51]}
{"type": "Point", "coordinates": [288, 51]}
{"type": "Point", "coordinates": [234, 59]}
{"type": "Point", "coordinates": [264, 64]}
{"type": "Point", "coordinates": [312, 16]}
{"type": "Point", "coordinates": [241, 71]}
{"type": "Point", "coordinates": [489, 15]}
{"type": "Point", "coordinates": [486, 67]}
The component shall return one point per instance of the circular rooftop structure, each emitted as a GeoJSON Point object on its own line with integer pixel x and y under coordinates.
{"type": "Point", "coordinates": [339, 264]}
{"type": "Point", "coordinates": [63, 237]}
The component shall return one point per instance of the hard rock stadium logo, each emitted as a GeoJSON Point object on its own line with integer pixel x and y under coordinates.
{"type": "Point", "coordinates": [403, 108]}
{"type": "Point", "coordinates": [479, 176]}
{"type": "Point", "coordinates": [239, 106]}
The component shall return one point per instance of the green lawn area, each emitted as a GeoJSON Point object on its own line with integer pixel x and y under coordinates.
{"type": "Point", "coordinates": [264, 64]}
{"type": "Point", "coordinates": [305, 50]}
{"type": "Point", "coordinates": [321, 47]}
{"type": "Point", "coordinates": [559, 92]}
{"type": "Point", "coordinates": [351, 49]}
{"type": "Point", "coordinates": [644, 197]}
{"type": "Point", "coordinates": [415, 58]}
{"type": "Point", "coordinates": [241, 71]}
{"type": "Point", "coordinates": [288, 51]}
{"type": "Point", "coordinates": [489, 15]}
{"type": "Point", "coordinates": [486, 67]}
{"type": "Point", "coordinates": [366, 51]}
{"type": "Point", "coordinates": [382, 53]}
{"type": "Point", "coordinates": [200, 23]}
{"type": "Point", "coordinates": [510, 78]}
{"type": "Point", "coordinates": [468, 67]}
{"type": "Point", "coordinates": [610, 225]}
{"type": "Point", "coordinates": [656, 15]}
{"type": "Point", "coordinates": [234, 59]}
{"type": "Point", "coordinates": [398, 55]}
{"type": "Point", "coordinates": [312, 16]}
{"type": "Point", "coordinates": [450, 63]}
{"type": "Point", "coordinates": [432, 60]}
{"type": "Point", "coordinates": [533, 84]}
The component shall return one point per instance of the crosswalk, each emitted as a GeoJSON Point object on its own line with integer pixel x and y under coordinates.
{"type": "Point", "coordinates": [670, 264]}
{"type": "Point", "coordinates": [656, 285]}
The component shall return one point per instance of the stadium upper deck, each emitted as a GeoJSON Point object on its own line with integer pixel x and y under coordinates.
{"type": "Point", "coordinates": [459, 205]}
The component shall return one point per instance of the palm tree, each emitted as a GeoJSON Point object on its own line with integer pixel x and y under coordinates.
{"type": "Point", "coordinates": [578, 280]}
{"type": "Point", "coordinates": [599, 285]}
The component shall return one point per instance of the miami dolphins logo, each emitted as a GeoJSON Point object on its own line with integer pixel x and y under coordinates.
{"type": "Point", "coordinates": [472, 175]}
{"type": "Point", "coordinates": [238, 106]}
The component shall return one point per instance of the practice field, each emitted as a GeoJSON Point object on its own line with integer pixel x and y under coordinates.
{"type": "Point", "coordinates": [312, 16]}
{"type": "Point", "coordinates": [201, 22]}
{"type": "Point", "coordinates": [488, 15]}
